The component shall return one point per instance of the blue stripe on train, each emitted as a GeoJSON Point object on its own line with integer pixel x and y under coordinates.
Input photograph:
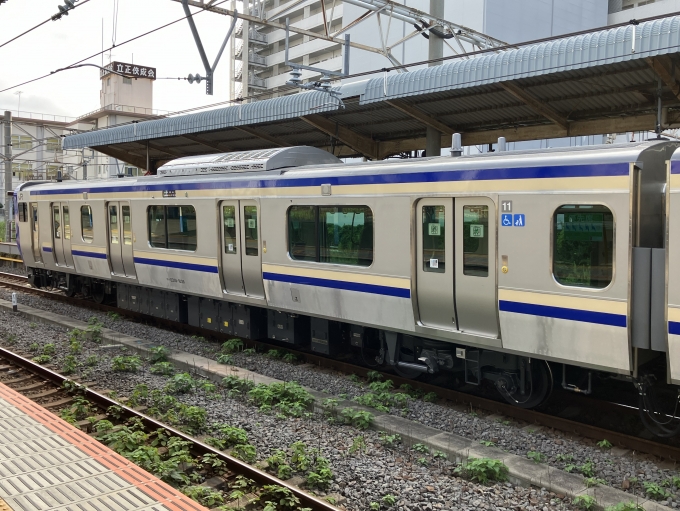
{"type": "Point", "coordinates": [600, 318]}
{"type": "Point", "coordinates": [602, 170]}
{"type": "Point", "coordinates": [95, 255]}
{"type": "Point", "coordinates": [339, 284]}
{"type": "Point", "coordinates": [47, 249]}
{"type": "Point", "coordinates": [176, 264]}
{"type": "Point", "coordinates": [674, 327]}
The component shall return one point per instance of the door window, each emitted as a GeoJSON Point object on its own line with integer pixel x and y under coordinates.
{"type": "Point", "coordinates": [229, 221]}
{"type": "Point", "coordinates": [434, 239]}
{"type": "Point", "coordinates": [56, 223]}
{"type": "Point", "coordinates": [114, 234]}
{"type": "Point", "coordinates": [34, 208]}
{"type": "Point", "coordinates": [476, 241]}
{"type": "Point", "coordinates": [67, 223]}
{"type": "Point", "coordinates": [250, 230]}
{"type": "Point", "coordinates": [86, 223]}
{"type": "Point", "coordinates": [127, 225]}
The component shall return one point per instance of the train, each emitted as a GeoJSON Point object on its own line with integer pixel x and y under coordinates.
{"type": "Point", "coordinates": [519, 270]}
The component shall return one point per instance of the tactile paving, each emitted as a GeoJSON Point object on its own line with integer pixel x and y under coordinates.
{"type": "Point", "coordinates": [47, 464]}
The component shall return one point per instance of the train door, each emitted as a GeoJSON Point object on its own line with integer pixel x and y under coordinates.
{"type": "Point", "coordinates": [120, 239]}
{"type": "Point", "coordinates": [435, 263]}
{"type": "Point", "coordinates": [475, 276]}
{"type": "Point", "coordinates": [35, 231]}
{"type": "Point", "coordinates": [231, 248]}
{"type": "Point", "coordinates": [57, 235]}
{"type": "Point", "coordinates": [251, 256]}
{"type": "Point", "coordinates": [66, 234]}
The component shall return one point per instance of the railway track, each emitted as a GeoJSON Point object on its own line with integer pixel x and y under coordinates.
{"type": "Point", "coordinates": [635, 443]}
{"type": "Point", "coordinates": [57, 392]}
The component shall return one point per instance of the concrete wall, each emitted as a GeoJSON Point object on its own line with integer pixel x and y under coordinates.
{"type": "Point", "coordinates": [645, 11]}
{"type": "Point", "coordinates": [137, 93]}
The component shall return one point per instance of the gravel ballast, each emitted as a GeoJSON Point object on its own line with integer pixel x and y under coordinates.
{"type": "Point", "coordinates": [559, 450]}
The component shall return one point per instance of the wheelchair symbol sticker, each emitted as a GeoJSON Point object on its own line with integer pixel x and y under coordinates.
{"type": "Point", "coordinates": [506, 220]}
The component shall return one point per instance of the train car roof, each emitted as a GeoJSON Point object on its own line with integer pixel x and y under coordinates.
{"type": "Point", "coordinates": [582, 155]}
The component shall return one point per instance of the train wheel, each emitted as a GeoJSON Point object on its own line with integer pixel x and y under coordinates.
{"type": "Point", "coordinates": [98, 292]}
{"type": "Point", "coordinates": [538, 386]}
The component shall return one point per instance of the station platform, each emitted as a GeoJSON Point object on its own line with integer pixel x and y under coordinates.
{"type": "Point", "coordinates": [47, 464]}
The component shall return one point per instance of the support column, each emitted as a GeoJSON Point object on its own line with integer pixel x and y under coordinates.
{"type": "Point", "coordinates": [8, 173]}
{"type": "Point", "coordinates": [433, 146]}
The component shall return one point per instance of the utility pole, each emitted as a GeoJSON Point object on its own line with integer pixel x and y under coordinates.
{"type": "Point", "coordinates": [433, 146]}
{"type": "Point", "coordinates": [8, 173]}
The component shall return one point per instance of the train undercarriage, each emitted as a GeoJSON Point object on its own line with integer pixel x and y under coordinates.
{"type": "Point", "coordinates": [521, 381]}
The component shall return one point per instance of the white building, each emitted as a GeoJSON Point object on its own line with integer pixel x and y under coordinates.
{"type": "Point", "coordinates": [36, 138]}
{"type": "Point", "coordinates": [622, 11]}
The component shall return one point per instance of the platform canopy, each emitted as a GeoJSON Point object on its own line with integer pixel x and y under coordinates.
{"type": "Point", "coordinates": [603, 81]}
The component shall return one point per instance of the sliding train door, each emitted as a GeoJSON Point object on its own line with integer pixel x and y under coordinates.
{"type": "Point", "coordinates": [61, 234]}
{"type": "Point", "coordinates": [120, 240]}
{"type": "Point", "coordinates": [434, 260]}
{"type": "Point", "coordinates": [475, 235]}
{"type": "Point", "coordinates": [241, 248]}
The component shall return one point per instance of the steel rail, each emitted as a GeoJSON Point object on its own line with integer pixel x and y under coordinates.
{"type": "Point", "coordinates": [233, 464]}
{"type": "Point", "coordinates": [531, 416]}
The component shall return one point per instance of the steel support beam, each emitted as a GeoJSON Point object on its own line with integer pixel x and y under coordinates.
{"type": "Point", "coordinates": [361, 144]}
{"type": "Point", "coordinates": [205, 143]}
{"type": "Point", "coordinates": [535, 104]}
{"type": "Point", "coordinates": [417, 114]}
{"type": "Point", "coordinates": [264, 136]}
{"type": "Point", "coordinates": [665, 69]}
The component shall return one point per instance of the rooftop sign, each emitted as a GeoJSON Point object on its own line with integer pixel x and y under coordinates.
{"type": "Point", "coordinates": [132, 70]}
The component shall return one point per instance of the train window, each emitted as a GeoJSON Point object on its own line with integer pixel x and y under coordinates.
{"type": "Point", "coordinates": [55, 221]}
{"type": "Point", "coordinates": [114, 231]}
{"type": "Point", "coordinates": [583, 246]}
{"type": "Point", "coordinates": [172, 227]}
{"type": "Point", "coordinates": [67, 223]}
{"type": "Point", "coordinates": [229, 222]}
{"type": "Point", "coordinates": [476, 241]}
{"type": "Point", "coordinates": [23, 212]}
{"type": "Point", "coordinates": [434, 239]}
{"type": "Point", "coordinates": [127, 225]}
{"type": "Point", "coordinates": [250, 230]}
{"type": "Point", "coordinates": [86, 223]}
{"type": "Point", "coordinates": [302, 233]}
{"type": "Point", "coordinates": [157, 236]}
{"type": "Point", "coordinates": [181, 227]}
{"type": "Point", "coordinates": [346, 235]}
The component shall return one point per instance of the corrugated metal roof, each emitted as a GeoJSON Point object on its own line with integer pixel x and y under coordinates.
{"type": "Point", "coordinates": [296, 105]}
{"type": "Point", "coordinates": [652, 38]}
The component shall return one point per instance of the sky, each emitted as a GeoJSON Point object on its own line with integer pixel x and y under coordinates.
{"type": "Point", "coordinates": [60, 43]}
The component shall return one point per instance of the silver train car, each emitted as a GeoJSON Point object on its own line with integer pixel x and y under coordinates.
{"type": "Point", "coordinates": [506, 267]}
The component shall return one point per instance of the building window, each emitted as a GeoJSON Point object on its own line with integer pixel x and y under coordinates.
{"type": "Point", "coordinates": [22, 142]}
{"type": "Point", "coordinates": [127, 81]}
{"type": "Point", "coordinates": [53, 144]}
{"type": "Point", "coordinates": [583, 246]}
{"type": "Point", "coordinates": [331, 234]}
{"type": "Point", "coordinates": [86, 223]}
{"type": "Point", "coordinates": [108, 82]}
{"type": "Point", "coordinates": [172, 227]}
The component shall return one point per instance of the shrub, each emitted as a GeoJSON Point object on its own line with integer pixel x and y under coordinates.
{"type": "Point", "coordinates": [655, 491]}
{"type": "Point", "coordinates": [358, 419]}
{"type": "Point", "coordinates": [225, 359]}
{"type": "Point", "coordinates": [604, 444]}
{"type": "Point", "coordinates": [129, 364]}
{"type": "Point", "coordinates": [536, 457]}
{"type": "Point", "coordinates": [389, 500]}
{"type": "Point", "coordinates": [48, 349]}
{"type": "Point", "coordinates": [70, 365]}
{"type": "Point", "coordinates": [279, 496]}
{"type": "Point", "coordinates": [204, 495]}
{"type": "Point", "coordinates": [584, 502]}
{"type": "Point", "coordinates": [244, 452]}
{"type": "Point", "coordinates": [180, 384]}
{"type": "Point", "coordinates": [421, 448]}
{"type": "Point", "coordinates": [389, 440]}
{"type": "Point", "coordinates": [430, 397]}
{"type": "Point", "coordinates": [372, 376]}
{"type": "Point", "coordinates": [593, 481]}
{"type": "Point", "coordinates": [42, 359]}
{"type": "Point", "coordinates": [484, 470]}
{"type": "Point", "coordinates": [158, 354]}
{"type": "Point", "coordinates": [163, 368]}
{"type": "Point", "coordinates": [233, 435]}
{"type": "Point", "coordinates": [232, 346]}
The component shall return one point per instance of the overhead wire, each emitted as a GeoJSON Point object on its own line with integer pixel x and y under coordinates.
{"type": "Point", "coordinates": [82, 2]}
{"type": "Point", "coordinates": [110, 48]}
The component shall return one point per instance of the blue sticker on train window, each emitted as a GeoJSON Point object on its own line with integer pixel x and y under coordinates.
{"type": "Point", "coordinates": [506, 220]}
{"type": "Point", "coordinates": [519, 220]}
